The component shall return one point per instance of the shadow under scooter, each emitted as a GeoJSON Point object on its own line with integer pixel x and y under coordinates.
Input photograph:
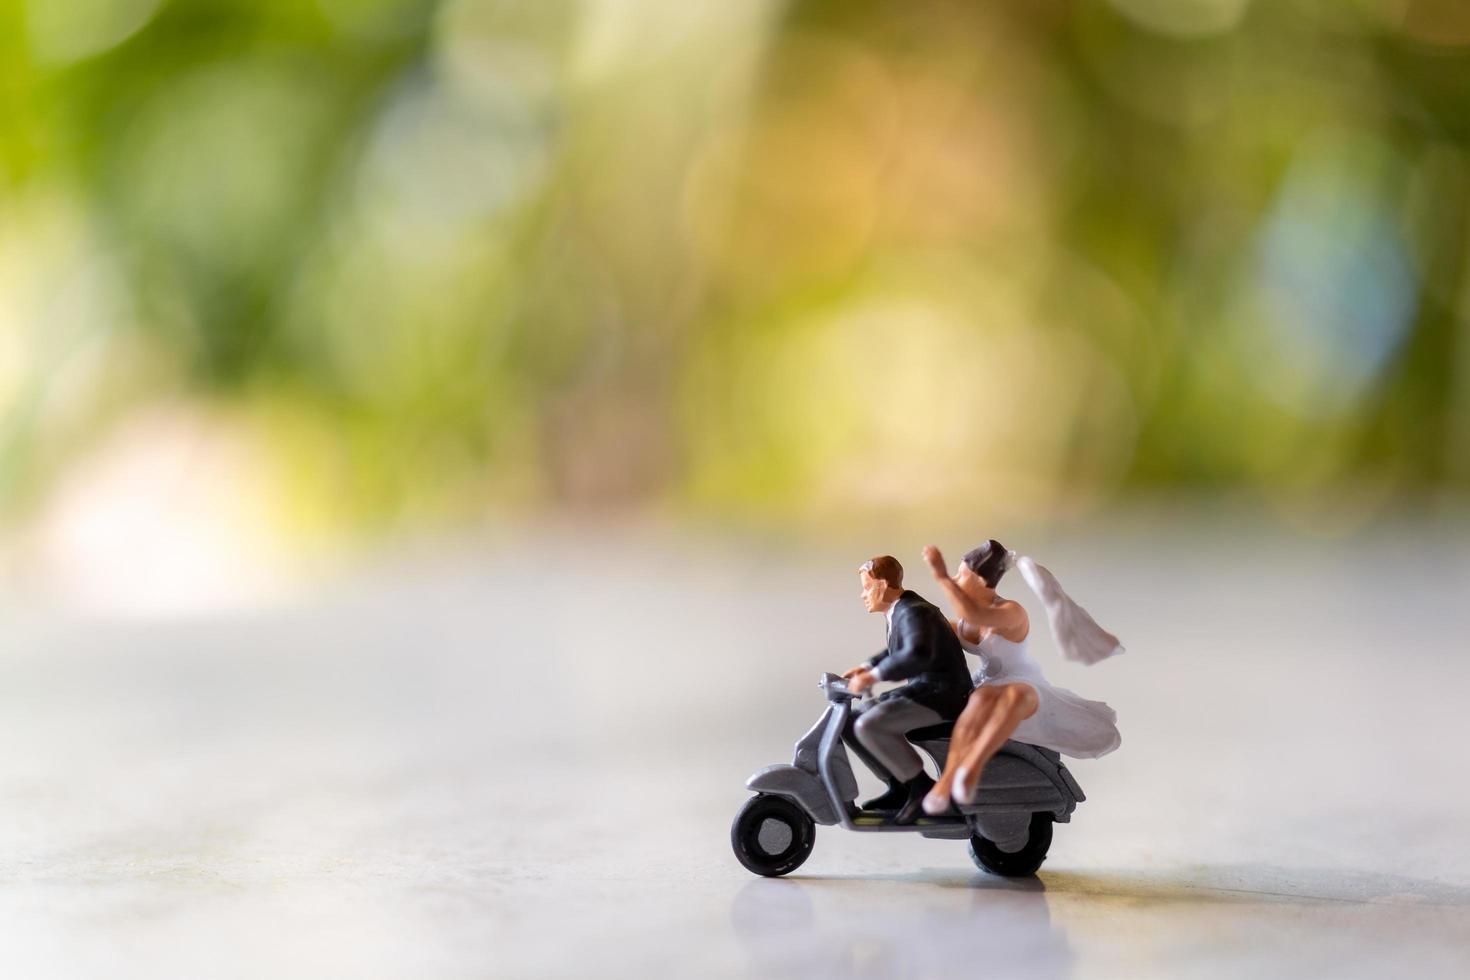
{"type": "Point", "coordinates": [1023, 791]}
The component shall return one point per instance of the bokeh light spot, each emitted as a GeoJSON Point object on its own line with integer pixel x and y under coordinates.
{"type": "Point", "coordinates": [1338, 286]}
{"type": "Point", "coordinates": [65, 31]}
{"type": "Point", "coordinates": [1184, 18]}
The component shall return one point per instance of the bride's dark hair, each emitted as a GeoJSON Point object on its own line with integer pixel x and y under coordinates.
{"type": "Point", "coordinates": [988, 561]}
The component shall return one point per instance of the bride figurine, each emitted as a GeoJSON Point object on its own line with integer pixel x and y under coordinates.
{"type": "Point", "coordinates": [1012, 698]}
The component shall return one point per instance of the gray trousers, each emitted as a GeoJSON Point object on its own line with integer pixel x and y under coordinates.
{"type": "Point", "coordinates": [879, 727]}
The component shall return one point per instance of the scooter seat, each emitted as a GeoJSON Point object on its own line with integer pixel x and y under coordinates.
{"type": "Point", "coordinates": [931, 733]}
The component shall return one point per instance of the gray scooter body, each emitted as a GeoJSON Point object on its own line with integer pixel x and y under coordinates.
{"type": "Point", "coordinates": [1020, 783]}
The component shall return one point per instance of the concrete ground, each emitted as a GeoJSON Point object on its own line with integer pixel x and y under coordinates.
{"type": "Point", "coordinates": [519, 758]}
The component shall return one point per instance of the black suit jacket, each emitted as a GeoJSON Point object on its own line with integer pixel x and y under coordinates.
{"type": "Point", "coordinates": [923, 650]}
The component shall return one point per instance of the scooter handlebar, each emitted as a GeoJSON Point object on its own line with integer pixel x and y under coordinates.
{"type": "Point", "coordinates": [835, 688]}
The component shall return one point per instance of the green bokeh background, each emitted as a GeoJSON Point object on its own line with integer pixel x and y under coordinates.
{"type": "Point", "coordinates": [426, 264]}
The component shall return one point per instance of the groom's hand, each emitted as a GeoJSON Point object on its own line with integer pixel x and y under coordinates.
{"type": "Point", "coordinates": [861, 680]}
{"type": "Point", "coordinates": [847, 674]}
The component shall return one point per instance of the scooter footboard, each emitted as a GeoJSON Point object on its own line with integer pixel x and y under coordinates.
{"type": "Point", "coordinates": [797, 785]}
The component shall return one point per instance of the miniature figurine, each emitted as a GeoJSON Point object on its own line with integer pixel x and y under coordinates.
{"type": "Point", "coordinates": [1012, 698]}
{"type": "Point", "coordinates": [923, 650]}
{"type": "Point", "coordinates": [1007, 816]}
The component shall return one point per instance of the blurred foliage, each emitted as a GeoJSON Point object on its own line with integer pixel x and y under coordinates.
{"type": "Point", "coordinates": [435, 259]}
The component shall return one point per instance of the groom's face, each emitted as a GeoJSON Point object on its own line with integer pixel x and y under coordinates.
{"type": "Point", "coordinates": [875, 592]}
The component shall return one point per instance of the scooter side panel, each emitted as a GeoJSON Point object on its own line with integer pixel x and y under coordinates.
{"type": "Point", "coordinates": [798, 785]}
{"type": "Point", "coordinates": [1011, 783]}
{"type": "Point", "coordinates": [1019, 779]}
{"type": "Point", "coordinates": [1009, 772]}
{"type": "Point", "coordinates": [1045, 763]}
{"type": "Point", "coordinates": [1028, 799]}
{"type": "Point", "coordinates": [1066, 775]}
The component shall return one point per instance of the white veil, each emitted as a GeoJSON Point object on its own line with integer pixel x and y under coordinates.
{"type": "Point", "coordinates": [1076, 632]}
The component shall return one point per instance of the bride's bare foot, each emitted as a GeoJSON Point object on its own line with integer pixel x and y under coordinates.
{"type": "Point", "coordinates": [945, 784]}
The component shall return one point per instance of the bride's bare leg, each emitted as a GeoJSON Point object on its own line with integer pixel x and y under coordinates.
{"type": "Point", "coordinates": [966, 729]}
{"type": "Point", "coordinates": [1011, 705]}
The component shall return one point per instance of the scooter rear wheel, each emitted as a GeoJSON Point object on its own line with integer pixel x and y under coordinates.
{"type": "Point", "coordinates": [772, 836]}
{"type": "Point", "coordinates": [1014, 864]}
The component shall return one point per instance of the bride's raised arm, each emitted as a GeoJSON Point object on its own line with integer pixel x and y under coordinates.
{"type": "Point", "coordinates": [1004, 616]}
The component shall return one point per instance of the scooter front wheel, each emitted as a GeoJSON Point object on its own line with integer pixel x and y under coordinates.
{"type": "Point", "coordinates": [772, 836]}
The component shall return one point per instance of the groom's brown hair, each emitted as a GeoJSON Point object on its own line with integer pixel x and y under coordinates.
{"type": "Point", "coordinates": [887, 568]}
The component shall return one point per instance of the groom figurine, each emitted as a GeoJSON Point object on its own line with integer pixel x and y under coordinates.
{"type": "Point", "coordinates": [923, 650]}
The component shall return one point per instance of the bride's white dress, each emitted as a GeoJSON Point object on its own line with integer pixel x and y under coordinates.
{"type": "Point", "coordinates": [1064, 722]}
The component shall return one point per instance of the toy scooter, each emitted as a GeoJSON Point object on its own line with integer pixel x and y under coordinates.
{"type": "Point", "coordinates": [1023, 790]}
